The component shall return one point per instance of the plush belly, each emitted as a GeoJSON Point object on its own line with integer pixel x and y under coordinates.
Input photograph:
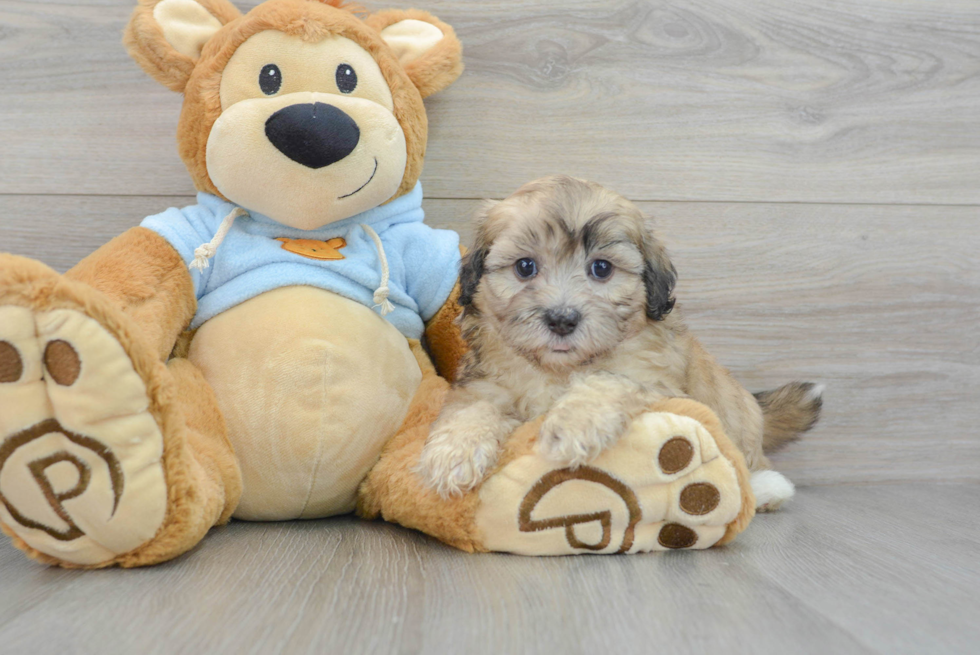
{"type": "Point", "coordinates": [311, 385]}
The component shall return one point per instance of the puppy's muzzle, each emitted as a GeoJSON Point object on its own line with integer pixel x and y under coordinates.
{"type": "Point", "coordinates": [562, 321]}
{"type": "Point", "coordinates": [313, 134]}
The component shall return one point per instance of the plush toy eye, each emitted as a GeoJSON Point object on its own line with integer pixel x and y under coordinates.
{"type": "Point", "coordinates": [601, 269]}
{"type": "Point", "coordinates": [526, 268]}
{"type": "Point", "coordinates": [346, 78]}
{"type": "Point", "coordinates": [270, 79]}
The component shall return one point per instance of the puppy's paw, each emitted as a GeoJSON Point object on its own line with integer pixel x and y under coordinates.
{"type": "Point", "coordinates": [574, 438]}
{"type": "Point", "coordinates": [452, 462]}
{"type": "Point", "coordinates": [771, 490]}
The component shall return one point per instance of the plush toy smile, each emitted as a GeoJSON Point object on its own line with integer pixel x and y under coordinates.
{"type": "Point", "coordinates": [373, 173]}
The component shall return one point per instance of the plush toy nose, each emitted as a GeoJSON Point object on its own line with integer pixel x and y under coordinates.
{"type": "Point", "coordinates": [562, 321]}
{"type": "Point", "coordinates": [313, 134]}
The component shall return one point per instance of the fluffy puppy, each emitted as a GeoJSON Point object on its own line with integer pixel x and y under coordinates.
{"type": "Point", "coordinates": [567, 299]}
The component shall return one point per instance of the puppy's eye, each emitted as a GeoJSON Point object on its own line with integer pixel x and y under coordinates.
{"type": "Point", "coordinates": [601, 269]}
{"type": "Point", "coordinates": [270, 79]}
{"type": "Point", "coordinates": [346, 79]}
{"type": "Point", "coordinates": [526, 268]}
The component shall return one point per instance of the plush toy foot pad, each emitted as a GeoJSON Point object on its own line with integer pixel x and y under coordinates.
{"type": "Point", "coordinates": [664, 485]}
{"type": "Point", "coordinates": [81, 475]}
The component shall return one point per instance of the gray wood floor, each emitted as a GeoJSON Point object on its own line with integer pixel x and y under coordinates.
{"type": "Point", "coordinates": [815, 169]}
{"type": "Point", "coordinates": [889, 568]}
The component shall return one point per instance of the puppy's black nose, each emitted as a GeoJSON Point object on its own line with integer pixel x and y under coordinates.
{"type": "Point", "coordinates": [562, 321]}
{"type": "Point", "coordinates": [313, 134]}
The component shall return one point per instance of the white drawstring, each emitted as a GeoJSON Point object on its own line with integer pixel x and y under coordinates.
{"type": "Point", "coordinates": [206, 251]}
{"type": "Point", "coordinates": [381, 293]}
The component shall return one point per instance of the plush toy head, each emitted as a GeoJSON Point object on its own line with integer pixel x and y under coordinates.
{"type": "Point", "coordinates": [300, 109]}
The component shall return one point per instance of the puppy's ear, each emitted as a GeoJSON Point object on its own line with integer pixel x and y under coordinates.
{"type": "Point", "coordinates": [471, 268]}
{"type": "Point", "coordinates": [470, 272]}
{"type": "Point", "coordinates": [659, 276]}
{"type": "Point", "coordinates": [166, 37]}
{"type": "Point", "coordinates": [424, 45]}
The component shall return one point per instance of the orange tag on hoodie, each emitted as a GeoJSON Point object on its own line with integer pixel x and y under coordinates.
{"type": "Point", "coordinates": [313, 249]}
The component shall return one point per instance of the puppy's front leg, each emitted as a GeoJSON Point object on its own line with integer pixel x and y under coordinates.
{"type": "Point", "coordinates": [463, 445]}
{"type": "Point", "coordinates": [591, 416]}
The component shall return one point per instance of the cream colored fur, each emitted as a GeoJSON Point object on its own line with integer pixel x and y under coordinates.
{"type": "Point", "coordinates": [625, 501]}
{"type": "Point", "coordinates": [245, 166]}
{"type": "Point", "coordinates": [411, 39]}
{"type": "Point", "coordinates": [186, 25]}
{"type": "Point", "coordinates": [334, 381]}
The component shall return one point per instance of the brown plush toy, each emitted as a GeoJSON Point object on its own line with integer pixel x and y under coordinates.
{"type": "Point", "coordinates": [305, 274]}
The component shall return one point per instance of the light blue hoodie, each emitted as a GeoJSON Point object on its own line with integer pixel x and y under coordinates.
{"type": "Point", "coordinates": [423, 262]}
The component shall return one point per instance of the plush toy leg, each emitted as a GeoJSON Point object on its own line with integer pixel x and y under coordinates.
{"type": "Point", "coordinates": [107, 455]}
{"type": "Point", "coordinates": [393, 491]}
{"type": "Point", "coordinates": [143, 276]}
{"type": "Point", "coordinates": [673, 481]}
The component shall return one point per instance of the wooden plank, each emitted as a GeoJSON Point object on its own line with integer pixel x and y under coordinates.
{"type": "Point", "coordinates": [880, 303]}
{"type": "Point", "coordinates": [790, 100]}
{"type": "Point", "coordinates": [867, 550]}
{"type": "Point", "coordinates": [61, 230]}
{"type": "Point", "coordinates": [348, 588]}
{"type": "Point", "coordinates": [844, 570]}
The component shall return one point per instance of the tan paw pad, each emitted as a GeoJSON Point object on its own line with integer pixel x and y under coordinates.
{"type": "Point", "coordinates": [81, 471]}
{"type": "Point", "coordinates": [663, 486]}
{"type": "Point", "coordinates": [23, 401]}
{"type": "Point", "coordinates": [699, 498]}
{"type": "Point", "coordinates": [675, 455]}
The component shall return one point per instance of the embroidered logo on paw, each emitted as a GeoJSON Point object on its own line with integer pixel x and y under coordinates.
{"type": "Point", "coordinates": [49, 489]}
{"type": "Point", "coordinates": [558, 477]}
{"type": "Point", "coordinates": [313, 249]}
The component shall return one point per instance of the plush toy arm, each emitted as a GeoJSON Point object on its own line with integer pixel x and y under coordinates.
{"type": "Point", "coordinates": [147, 277]}
{"type": "Point", "coordinates": [444, 339]}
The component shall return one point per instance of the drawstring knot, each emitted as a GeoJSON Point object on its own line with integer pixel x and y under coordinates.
{"type": "Point", "coordinates": [206, 251]}
{"type": "Point", "coordinates": [381, 297]}
{"type": "Point", "coordinates": [381, 293]}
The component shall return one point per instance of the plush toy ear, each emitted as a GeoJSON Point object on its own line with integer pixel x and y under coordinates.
{"type": "Point", "coordinates": [424, 45]}
{"type": "Point", "coordinates": [165, 37]}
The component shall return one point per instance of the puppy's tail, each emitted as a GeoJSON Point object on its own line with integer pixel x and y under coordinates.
{"type": "Point", "coordinates": [789, 411]}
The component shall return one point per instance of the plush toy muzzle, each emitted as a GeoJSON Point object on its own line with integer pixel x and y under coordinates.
{"type": "Point", "coordinates": [309, 132]}
{"type": "Point", "coordinates": [303, 160]}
